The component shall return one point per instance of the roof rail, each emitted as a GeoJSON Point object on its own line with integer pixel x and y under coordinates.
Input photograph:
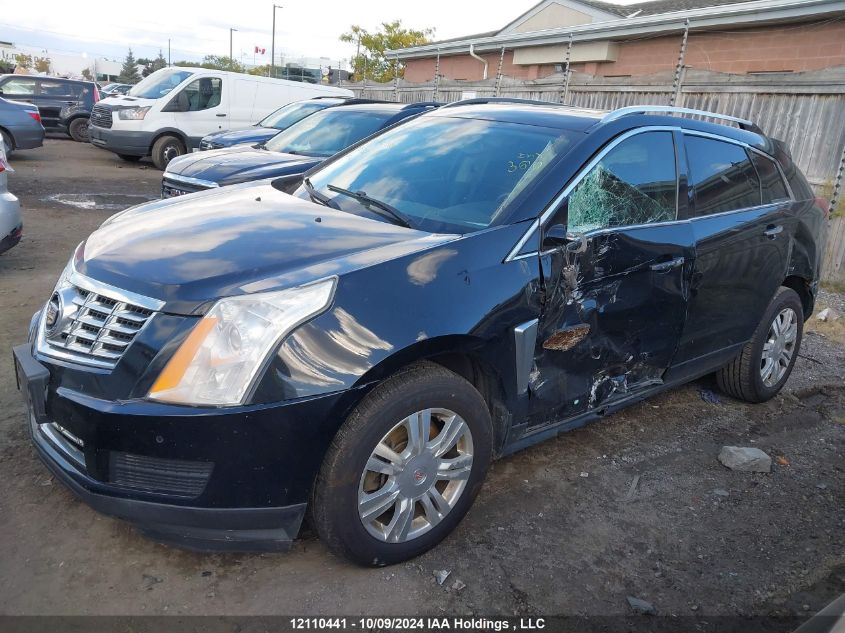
{"type": "Point", "coordinates": [421, 104]}
{"type": "Point", "coordinates": [504, 100]}
{"type": "Point", "coordinates": [643, 109]}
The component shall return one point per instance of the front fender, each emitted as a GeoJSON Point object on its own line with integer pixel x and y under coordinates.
{"type": "Point", "coordinates": [459, 297]}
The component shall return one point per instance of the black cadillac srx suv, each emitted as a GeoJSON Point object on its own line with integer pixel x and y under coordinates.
{"type": "Point", "coordinates": [361, 342]}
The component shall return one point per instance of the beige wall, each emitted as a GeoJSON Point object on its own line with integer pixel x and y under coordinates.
{"type": "Point", "coordinates": [786, 48]}
{"type": "Point", "coordinates": [552, 17]}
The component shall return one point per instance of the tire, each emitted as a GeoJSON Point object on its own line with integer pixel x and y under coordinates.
{"type": "Point", "coordinates": [345, 474]}
{"type": "Point", "coordinates": [166, 149]}
{"type": "Point", "coordinates": [78, 130]}
{"type": "Point", "coordinates": [128, 158]}
{"type": "Point", "coordinates": [8, 143]}
{"type": "Point", "coordinates": [746, 377]}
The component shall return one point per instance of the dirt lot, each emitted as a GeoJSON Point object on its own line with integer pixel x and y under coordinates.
{"type": "Point", "coordinates": [557, 528]}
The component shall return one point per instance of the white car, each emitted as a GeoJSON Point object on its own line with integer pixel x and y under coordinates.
{"type": "Point", "coordinates": [11, 224]}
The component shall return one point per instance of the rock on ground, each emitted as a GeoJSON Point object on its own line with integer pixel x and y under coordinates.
{"type": "Point", "coordinates": [745, 459]}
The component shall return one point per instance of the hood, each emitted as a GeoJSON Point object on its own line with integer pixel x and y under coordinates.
{"type": "Point", "coordinates": [125, 101]}
{"type": "Point", "coordinates": [252, 135]}
{"type": "Point", "coordinates": [189, 250]}
{"type": "Point", "coordinates": [239, 164]}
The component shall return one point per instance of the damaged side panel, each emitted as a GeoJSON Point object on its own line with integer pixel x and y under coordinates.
{"type": "Point", "coordinates": [611, 319]}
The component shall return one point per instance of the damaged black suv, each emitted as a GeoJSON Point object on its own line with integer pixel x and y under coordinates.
{"type": "Point", "coordinates": [361, 342]}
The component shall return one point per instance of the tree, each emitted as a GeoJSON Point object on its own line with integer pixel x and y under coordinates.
{"type": "Point", "coordinates": [42, 64]}
{"type": "Point", "coordinates": [129, 71]}
{"type": "Point", "coordinates": [23, 61]}
{"type": "Point", "coordinates": [371, 62]}
{"type": "Point", "coordinates": [216, 62]}
{"type": "Point", "coordinates": [152, 65]}
{"type": "Point", "coordinates": [86, 72]}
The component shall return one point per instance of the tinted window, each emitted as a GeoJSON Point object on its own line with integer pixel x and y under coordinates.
{"type": "Point", "coordinates": [18, 86]}
{"type": "Point", "coordinates": [328, 132]}
{"type": "Point", "coordinates": [201, 94]}
{"type": "Point", "coordinates": [722, 176]}
{"type": "Point", "coordinates": [56, 88]}
{"type": "Point", "coordinates": [770, 179]}
{"type": "Point", "coordinates": [286, 116]}
{"type": "Point", "coordinates": [445, 174]}
{"type": "Point", "coordinates": [634, 183]}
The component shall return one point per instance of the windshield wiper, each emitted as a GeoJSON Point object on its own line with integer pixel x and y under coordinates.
{"type": "Point", "coordinates": [316, 196]}
{"type": "Point", "coordinates": [374, 204]}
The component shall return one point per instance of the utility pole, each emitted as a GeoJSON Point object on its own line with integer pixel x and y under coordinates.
{"type": "Point", "coordinates": [231, 30]}
{"type": "Point", "coordinates": [168, 52]}
{"type": "Point", "coordinates": [273, 43]}
{"type": "Point", "coordinates": [357, 56]}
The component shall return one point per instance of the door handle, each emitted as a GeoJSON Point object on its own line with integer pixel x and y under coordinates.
{"type": "Point", "coordinates": [772, 231]}
{"type": "Point", "coordinates": [663, 267]}
{"type": "Point", "coordinates": [220, 114]}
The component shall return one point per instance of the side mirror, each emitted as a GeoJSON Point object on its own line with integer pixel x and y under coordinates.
{"type": "Point", "coordinates": [556, 237]}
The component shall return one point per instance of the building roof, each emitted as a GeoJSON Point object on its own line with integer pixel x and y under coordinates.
{"type": "Point", "coordinates": [653, 7]}
{"type": "Point", "coordinates": [643, 18]}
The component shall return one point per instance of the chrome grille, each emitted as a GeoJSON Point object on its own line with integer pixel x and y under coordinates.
{"type": "Point", "coordinates": [93, 324]}
{"type": "Point", "coordinates": [101, 116]}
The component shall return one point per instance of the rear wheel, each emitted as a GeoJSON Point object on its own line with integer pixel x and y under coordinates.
{"type": "Point", "coordinates": [763, 366]}
{"type": "Point", "coordinates": [78, 130]}
{"type": "Point", "coordinates": [166, 149]}
{"type": "Point", "coordinates": [128, 158]}
{"type": "Point", "coordinates": [404, 468]}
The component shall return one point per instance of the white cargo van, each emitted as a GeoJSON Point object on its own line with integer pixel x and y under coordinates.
{"type": "Point", "coordinates": [166, 114]}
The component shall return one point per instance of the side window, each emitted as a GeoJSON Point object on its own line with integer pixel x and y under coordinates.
{"type": "Point", "coordinates": [201, 94]}
{"type": "Point", "coordinates": [721, 175]}
{"type": "Point", "coordinates": [634, 183]}
{"type": "Point", "coordinates": [770, 179]}
{"type": "Point", "coordinates": [55, 89]}
{"type": "Point", "coordinates": [19, 86]}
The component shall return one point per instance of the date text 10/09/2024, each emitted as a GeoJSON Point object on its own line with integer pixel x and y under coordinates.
{"type": "Point", "coordinates": [415, 623]}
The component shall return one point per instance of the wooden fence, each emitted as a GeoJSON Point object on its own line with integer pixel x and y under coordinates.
{"type": "Point", "coordinates": [806, 110]}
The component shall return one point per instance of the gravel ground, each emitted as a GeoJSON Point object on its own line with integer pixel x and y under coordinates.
{"type": "Point", "coordinates": [656, 516]}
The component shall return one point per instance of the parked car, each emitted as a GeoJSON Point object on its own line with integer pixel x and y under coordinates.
{"type": "Point", "coordinates": [20, 126]}
{"type": "Point", "coordinates": [168, 112]}
{"type": "Point", "coordinates": [64, 104]}
{"type": "Point", "coordinates": [274, 123]}
{"type": "Point", "coordinates": [293, 151]}
{"type": "Point", "coordinates": [110, 90]}
{"type": "Point", "coordinates": [457, 288]}
{"type": "Point", "coordinates": [11, 224]}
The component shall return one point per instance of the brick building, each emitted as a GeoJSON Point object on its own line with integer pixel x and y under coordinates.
{"type": "Point", "coordinates": [640, 39]}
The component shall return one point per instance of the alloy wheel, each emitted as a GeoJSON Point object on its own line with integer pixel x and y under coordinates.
{"type": "Point", "coordinates": [415, 475]}
{"type": "Point", "coordinates": [779, 347]}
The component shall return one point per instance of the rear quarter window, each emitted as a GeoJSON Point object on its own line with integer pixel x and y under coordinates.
{"type": "Point", "coordinates": [771, 182]}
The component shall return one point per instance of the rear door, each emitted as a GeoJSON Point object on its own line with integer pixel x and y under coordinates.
{"type": "Point", "coordinates": [741, 246]}
{"type": "Point", "coordinates": [614, 307]}
{"type": "Point", "coordinates": [53, 95]}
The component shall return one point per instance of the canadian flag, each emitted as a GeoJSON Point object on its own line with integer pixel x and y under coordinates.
{"type": "Point", "coordinates": [259, 50]}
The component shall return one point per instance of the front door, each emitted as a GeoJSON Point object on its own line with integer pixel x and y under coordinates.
{"type": "Point", "coordinates": [615, 296]}
{"type": "Point", "coordinates": [200, 108]}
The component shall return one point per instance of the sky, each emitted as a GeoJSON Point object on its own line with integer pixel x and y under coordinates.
{"type": "Point", "coordinates": [199, 27]}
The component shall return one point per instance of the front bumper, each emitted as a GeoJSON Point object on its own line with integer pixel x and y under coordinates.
{"type": "Point", "coordinates": [253, 498]}
{"type": "Point", "coordinates": [127, 142]}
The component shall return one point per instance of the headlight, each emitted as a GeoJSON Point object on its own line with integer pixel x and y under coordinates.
{"type": "Point", "coordinates": [133, 114]}
{"type": "Point", "coordinates": [219, 361]}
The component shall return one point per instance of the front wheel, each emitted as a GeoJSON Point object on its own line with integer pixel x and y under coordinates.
{"type": "Point", "coordinates": [166, 149]}
{"type": "Point", "coordinates": [763, 366]}
{"type": "Point", "coordinates": [78, 130]}
{"type": "Point", "coordinates": [404, 468]}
